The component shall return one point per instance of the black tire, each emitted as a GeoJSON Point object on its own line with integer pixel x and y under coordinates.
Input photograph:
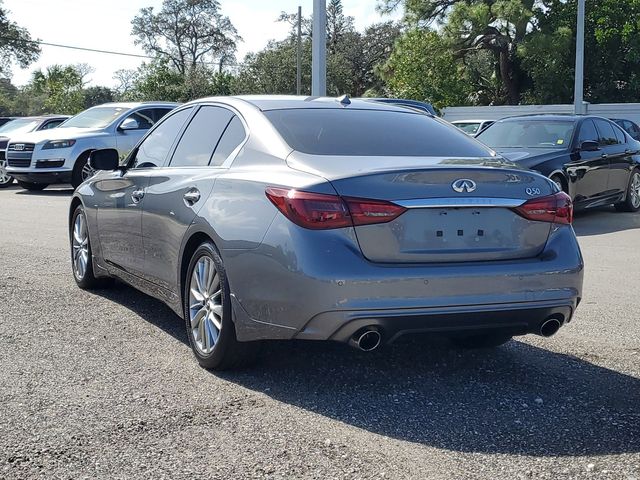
{"type": "Point", "coordinates": [76, 175]}
{"type": "Point", "coordinates": [559, 180]}
{"type": "Point", "coordinates": [631, 203]}
{"type": "Point", "coordinates": [483, 340]}
{"type": "Point", "coordinates": [32, 187]}
{"type": "Point", "coordinates": [227, 352]}
{"type": "Point", "coordinates": [85, 279]}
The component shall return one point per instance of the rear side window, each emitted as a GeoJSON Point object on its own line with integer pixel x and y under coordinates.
{"type": "Point", "coordinates": [233, 136]}
{"type": "Point", "coordinates": [333, 131]}
{"type": "Point", "coordinates": [607, 135]}
{"type": "Point", "coordinates": [201, 137]}
{"type": "Point", "coordinates": [154, 149]}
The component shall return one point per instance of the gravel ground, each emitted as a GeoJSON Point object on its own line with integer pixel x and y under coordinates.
{"type": "Point", "coordinates": [103, 384]}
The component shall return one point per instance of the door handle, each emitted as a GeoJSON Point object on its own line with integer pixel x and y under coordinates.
{"type": "Point", "coordinates": [192, 196]}
{"type": "Point", "coordinates": [137, 195]}
{"type": "Point", "coordinates": [604, 155]}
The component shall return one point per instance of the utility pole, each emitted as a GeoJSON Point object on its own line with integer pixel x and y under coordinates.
{"type": "Point", "coordinates": [299, 54]}
{"type": "Point", "coordinates": [319, 49]}
{"type": "Point", "coordinates": [578, 89]}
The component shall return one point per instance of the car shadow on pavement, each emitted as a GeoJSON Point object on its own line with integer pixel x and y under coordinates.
{"type": "Point", "coordinates": [517, 399]}
{"type": "Point", "coordinates": [604, 220]}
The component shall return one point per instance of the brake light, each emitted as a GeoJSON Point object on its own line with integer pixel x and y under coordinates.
{"type": "Point", "coordinates": [557, 208]}
{"type": "Point", "coordinates": [320, 211]}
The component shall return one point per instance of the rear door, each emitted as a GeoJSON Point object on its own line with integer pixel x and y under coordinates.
{"type": "Point", "coordinates": [589, 171]}
{"type": "Point", "coordinates": [620, 161]}
{"type": "Point", "coordinates": [120, 208]}
{"type": "Point", "coordinates": [176, 193]}
{"type": "Point", "coordinates": [615, 149]}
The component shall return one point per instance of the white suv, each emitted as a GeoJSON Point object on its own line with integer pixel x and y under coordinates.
{"type": "Point", "coordinates": [60, 155]}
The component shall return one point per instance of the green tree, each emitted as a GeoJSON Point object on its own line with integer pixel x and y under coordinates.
{"type": "Point", "coordinates": [424, 67]}
{"type": "Point", "coordinates": [97, 96]}
{"type": "Point", "coordinates": [186, 33]}
{"type": "Point", "coordinates": [494, 26]}
{"type": "Point", "coordinates": [60, 88]}
{"type": "Point", "coordinates": [612, 52]}
{"type": "Point", "coordinates": [16, 44]}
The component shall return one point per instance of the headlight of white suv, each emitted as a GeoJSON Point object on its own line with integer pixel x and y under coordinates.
{"type": "Point", "coordinates": [58, 144]}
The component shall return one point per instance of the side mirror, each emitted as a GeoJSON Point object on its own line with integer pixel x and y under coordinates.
{"type": "Point", "coordinates": [104, 159]}
{"type": "Point", "coordinates": [589, 146]}
{"type": "Point", "coordinates": [129, 124]}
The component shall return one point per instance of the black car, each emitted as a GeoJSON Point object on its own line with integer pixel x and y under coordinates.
{"type": "Point", "coordinates": [628, 126]}
{"type": "Point", "coordinates": [422, 106]}
{"type": "Point", "coordinates": [591, 158]}
{"type": "Point", "coordinates": [22, 125]}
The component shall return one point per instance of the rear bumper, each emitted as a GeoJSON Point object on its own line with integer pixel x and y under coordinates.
{"type": "Point", "coordinates": [319, 286]}
{"type": "Point", "coordinates": [516, 319]}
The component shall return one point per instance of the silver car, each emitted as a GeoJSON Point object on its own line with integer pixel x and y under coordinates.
{"type": "Point", "coordinates": [260, 218]}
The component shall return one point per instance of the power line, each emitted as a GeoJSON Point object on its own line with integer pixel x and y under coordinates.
{"type": "Point", "coordinates": [96, 50]}
{"type": "Point", "coordinates": [73, 47]}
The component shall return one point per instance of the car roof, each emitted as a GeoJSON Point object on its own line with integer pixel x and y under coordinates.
{"type": "Point", "coordinates": [286, 102]}
{"type": "Point", "coordinates": [137, 104]}
{"type": "Point", "coordinates": [550, 117]}
{"type": "Point", "coordinates": [474, 120]}
{"type": "Point", "coordinates": [40, 118]}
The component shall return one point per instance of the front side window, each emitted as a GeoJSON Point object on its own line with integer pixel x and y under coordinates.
{"type": "Point", "coordinates": [144, 119]}
{"type": "Point", "coordinates": [51, 124]}
{"type": "Point", "coordinates": [363, 132]}
{"type": "Point", "coordinates": [199, 140]}
{"type": "Point", "coordinates": [588, 132]}
{"type": "Point", "coordinates": [528, 133]}
{"type": "Point", "coordinates": [153, 151]}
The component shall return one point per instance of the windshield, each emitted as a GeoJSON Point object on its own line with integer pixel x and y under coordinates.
{"type": "Point", "coordinates": [528, 133]}
{"type": "Point", "coordinates": [19, 125]}
{"type": "Point", "coordinates": [97, 117]}
{"type": "Point", "coordinates": [353, 132]}
{"type": "Point", "coordinates": [468, 127]}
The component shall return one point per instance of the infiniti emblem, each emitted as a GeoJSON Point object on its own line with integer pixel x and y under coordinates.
{"type": "Point", "coordinates": [464, 185]}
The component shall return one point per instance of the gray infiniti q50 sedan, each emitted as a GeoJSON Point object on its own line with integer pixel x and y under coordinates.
{"type": "Point", "coordinates": [326, 219]}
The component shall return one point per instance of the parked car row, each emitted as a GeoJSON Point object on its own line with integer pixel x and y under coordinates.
{"type": "Point", "coordinates": [276, 217]}
{"type": "Point", "coordinates": [38, 151]}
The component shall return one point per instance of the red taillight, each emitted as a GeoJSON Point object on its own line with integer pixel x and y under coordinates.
{"type": "Point", "coordinates": [321, 211]}
{"type": "Point", "coordinates": [556, 208]}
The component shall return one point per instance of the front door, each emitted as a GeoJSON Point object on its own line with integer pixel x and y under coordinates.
{"type": "Point", "coordinates": [588, 171]}
{"type": "Point", "coordinates": [120, 209]}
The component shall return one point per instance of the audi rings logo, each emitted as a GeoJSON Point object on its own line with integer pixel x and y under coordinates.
{"type": "Point", "coordinates": [464, 185]}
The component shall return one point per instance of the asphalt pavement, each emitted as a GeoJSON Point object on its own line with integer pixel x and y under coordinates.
{"type": "Point", "coordinates": [103, 384]}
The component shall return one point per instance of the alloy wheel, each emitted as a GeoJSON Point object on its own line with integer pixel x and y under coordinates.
{"type": "Point", "coordinates": [205, 305]}
{"type": "Point", "coordinates": [634, 190]}
{"type": "Point", "coordinates": [80, 245]}
{"type": "Point", "coordinates": [5, 178]}
{"type": "Point", "coordinates": [87, 171]}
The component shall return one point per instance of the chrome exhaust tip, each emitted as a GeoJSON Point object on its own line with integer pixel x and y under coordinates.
{"type": "Point", "coordinates": [366, 340]}
{"type": "Point", "coordinates": [550, 327]}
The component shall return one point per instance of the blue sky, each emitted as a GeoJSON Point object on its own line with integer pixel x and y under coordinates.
{"type": "Point", "coordinates": [106, 25]}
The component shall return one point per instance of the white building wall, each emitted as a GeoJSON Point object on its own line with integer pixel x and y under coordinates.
{"type": "Point", "coordinates": [630, 111]}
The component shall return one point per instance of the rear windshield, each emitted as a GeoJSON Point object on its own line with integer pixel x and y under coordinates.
{"type": "Point", "coordinates": [528, 133]}
{"type": "Point", "coordinates": [371, 133]}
